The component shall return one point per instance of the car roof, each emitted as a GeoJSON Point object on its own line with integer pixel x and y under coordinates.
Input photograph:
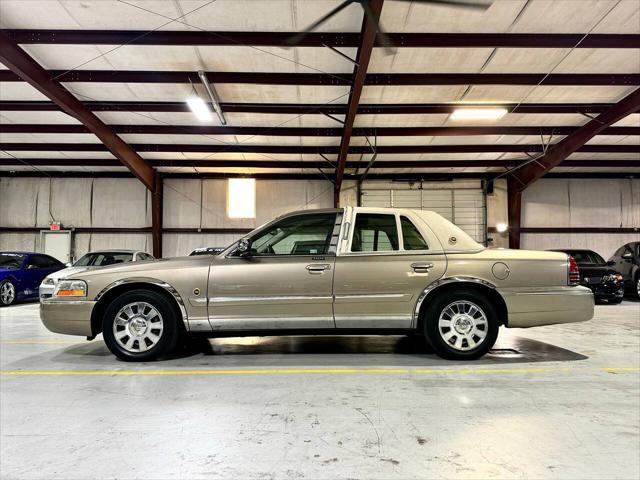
{"type": "Point", "coordinates": [117, 250]}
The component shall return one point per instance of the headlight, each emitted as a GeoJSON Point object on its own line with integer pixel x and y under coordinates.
{"type": "Point", "coordinates": [48, 281]}
{"type": "Point", "coordinates": [71, 288]}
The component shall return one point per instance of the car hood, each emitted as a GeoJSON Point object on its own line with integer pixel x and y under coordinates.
{"type": "Point", "coordinates": [144, 268]}
{"type": "Point", "coordinates": [65, 272]}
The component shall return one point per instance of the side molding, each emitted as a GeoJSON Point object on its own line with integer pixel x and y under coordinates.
{"type": "Point", "coordinates": [158, 283]}
{"type": "Point", "coordinates": [440, 283]}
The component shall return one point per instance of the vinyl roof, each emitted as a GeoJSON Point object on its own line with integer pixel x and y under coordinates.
{"type": "Point", "coordinates": [592, 63]}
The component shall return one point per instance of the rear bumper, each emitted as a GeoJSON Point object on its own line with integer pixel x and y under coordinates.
{"type": "Point", "coordinates": [68, 317]}
{"type": "Point", "coordinates": [548, 306]}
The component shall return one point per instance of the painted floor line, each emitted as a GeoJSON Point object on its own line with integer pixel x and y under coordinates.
{"type": "Point", "coordinates": [293, 371]}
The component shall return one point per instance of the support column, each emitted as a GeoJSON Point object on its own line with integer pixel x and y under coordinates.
{"type": "Point", "coordinates": [514, 212]}
{"type": "Point", "coordinates": [156, 216]}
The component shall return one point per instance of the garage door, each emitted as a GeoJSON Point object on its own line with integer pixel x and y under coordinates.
{"type": "Point", "coordinates": [463, 206]}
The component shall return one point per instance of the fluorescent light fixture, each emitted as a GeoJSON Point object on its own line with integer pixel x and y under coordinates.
{"type": "Point", "coordinates": [213, 96]}
{"type": "Point", "coordinates": [478, 113]}
{"type": "Point", "coordinates": [199, 108]}
{"type": "Point", "coordinates": [241, 198]}
{"type": "Point", "coordinates": [501, 227]}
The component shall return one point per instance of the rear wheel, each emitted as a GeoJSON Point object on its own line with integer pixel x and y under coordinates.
{"type": "Point", "coordinates": [7, 293]}
{"type": "Point", "coordinates": [638, 286]}
{"type": "Point", "coordinates": [140, 325]}
{"type": "Point", "coordinates": [461, 325]}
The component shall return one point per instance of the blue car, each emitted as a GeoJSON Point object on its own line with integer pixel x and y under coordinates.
{"type": "Point", "coordinates": [21, 274]}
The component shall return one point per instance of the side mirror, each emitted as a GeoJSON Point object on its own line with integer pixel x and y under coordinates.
{"type": "Point", "coordinates": [244, 247]}
{"type": "Point", "coordinates": [68, 264]}
{"type": "Point", "coordinates": [627, 255]}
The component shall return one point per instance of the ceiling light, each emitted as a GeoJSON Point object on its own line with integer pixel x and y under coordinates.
{"type": "Point", "coordinates": [478, 113]}
{"type": "Point", "coordinates": [501, 227]}
{"type": "Point", "coordinates": [213, 96]}
{"type": "Point", "coordinates": [199, 108]}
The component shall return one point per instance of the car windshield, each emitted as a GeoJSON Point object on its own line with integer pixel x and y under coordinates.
{"type": "Point", "coordinates": [583, 256]}
{"type": "Point", "coordinates": [102, 259]}
{"type": "Point", "coordinates": [11, 261]}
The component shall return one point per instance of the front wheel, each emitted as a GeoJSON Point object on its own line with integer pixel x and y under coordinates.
{"type": "Point", "coordinates": [7, 293]}
{"type": "Point", "coordinates": [461, 325]}
{"type": "Point", "coordinates": [638, 287]}
{"type": "Point", "coordinates": [140, 325]}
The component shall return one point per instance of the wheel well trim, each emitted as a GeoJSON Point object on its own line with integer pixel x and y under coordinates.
{"type": "Point", "coordinates": [445, 281]}
{"type": "Point", "coordinates": [150, 281]}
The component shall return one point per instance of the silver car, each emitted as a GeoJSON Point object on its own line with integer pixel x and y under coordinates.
{"type": "Point", "coordinates": [99, 258]}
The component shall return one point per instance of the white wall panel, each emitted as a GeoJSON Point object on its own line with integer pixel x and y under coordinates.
{"type": "Point", "coordinates": [19, 201]}
{"type": "Point", "coordinates": [603, 243]}
{"type": "Point", "coordinates": [18, 241]}
{"type": "Point", "coordinates": [546, 204]}
{"type": "Point", "coordinates": [120, 202]}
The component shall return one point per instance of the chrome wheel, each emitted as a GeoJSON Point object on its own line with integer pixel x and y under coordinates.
{"type": "Point", "coordinates": [7, 293]}
{"type": "Point", "coordinates": [137, 327]}
{"type": "Point", "coordinates": [638, 287]}
{"type": "Point", "coordinates": [463, 325]}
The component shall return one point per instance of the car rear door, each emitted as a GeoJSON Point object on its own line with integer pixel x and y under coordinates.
{"type": "Point", "coordinates": [389, 260]}
{"type": "Point", "coordinates": [286, 282]}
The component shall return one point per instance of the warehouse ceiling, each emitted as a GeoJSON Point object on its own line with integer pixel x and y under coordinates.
{"type": "Point", "coordinates": [134, 63]}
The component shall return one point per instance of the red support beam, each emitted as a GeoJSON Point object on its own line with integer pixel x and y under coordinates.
{"type": "Point", "coordinates": [310, 149]}
{"type": "Point", "coordinates": [368, 34]}
{"type": "Point", "coordinates": [309, 109]}
{"type": "Point", "coordinates": [313, 132]}
{"type": "Point", "coordinates": [320, 39]}
{"type": "Point", "coordinates": [266, 163]}
{"type": "Point", "coordinates": [333, 79]}
{"type": "Point", "coordinates": [27, 69]}
{"type": "Point", "coordinates": [576, 141]}
{"type": "Point", "coordinates": [514, 212]}
{"type": "Point", "coordinates": [157, 216]}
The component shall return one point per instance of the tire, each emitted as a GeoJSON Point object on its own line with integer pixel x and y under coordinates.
{"type": "Point", "coordinates": [638, 286]}
{"type": "Point", "coordinates": [477, 323]}
{"type": "Point", "coordinates": [140, 326]}
{"type": "Point", "coordinates": [615, 301]}
{"type": "Point", "coordinates": [7, 293]}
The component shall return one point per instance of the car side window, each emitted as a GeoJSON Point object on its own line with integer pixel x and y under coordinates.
{"type": "Point", "coordinates": [375, 232]}
{"type": "Point", "coordinates": [39, 261]}
{"type": "Point", "coordinates": [411, 236]}
{"type": "Point", "coordinates": [308, 234]}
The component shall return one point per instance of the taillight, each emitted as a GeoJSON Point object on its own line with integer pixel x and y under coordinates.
{"type": "Point", "coordinates": [573, 273]}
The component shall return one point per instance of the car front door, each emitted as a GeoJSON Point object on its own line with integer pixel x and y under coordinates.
{"type": "Point", "coordinates": [284, 282]}
{"type": "Point", "coordinates": [390, 260]}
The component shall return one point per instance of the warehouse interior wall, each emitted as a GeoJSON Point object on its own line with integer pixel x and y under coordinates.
{"type": "Point", "coordinates": [202, 204]}
{"type": "Point", "coordinates": [613, 203]}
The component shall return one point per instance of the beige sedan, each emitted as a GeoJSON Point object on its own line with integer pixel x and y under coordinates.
{"type": "Point", "coordinates": [334, 271]}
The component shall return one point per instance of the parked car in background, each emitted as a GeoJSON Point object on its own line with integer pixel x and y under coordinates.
{"type": "Point", "coordinates": [598, 275]}
{"type": "Point", "coordinates": [21, 274]}
{"type": "Point", "coordinates": [626, 260]}
{"type": "Point", "coordinates": [99, 258]}
{"type": "Point", "coordinates": [332, 271]}
{"type": "Point", "coordinates": [206, 251]}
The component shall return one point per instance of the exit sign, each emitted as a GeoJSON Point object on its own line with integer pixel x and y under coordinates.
{"type": "Point", "coordinates": [54, 226]}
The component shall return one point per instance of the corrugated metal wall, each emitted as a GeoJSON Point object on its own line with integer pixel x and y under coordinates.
{"type": "Point", "coordinates": [581, 203]}
{"type": "Point", "coordinates": [125, 203]}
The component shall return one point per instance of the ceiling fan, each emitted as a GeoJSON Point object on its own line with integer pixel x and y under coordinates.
{"type": "Point", "coordinates": [366, 6]}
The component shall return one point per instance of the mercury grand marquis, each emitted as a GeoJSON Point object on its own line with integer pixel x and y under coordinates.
{"type": "Point", "coordinates": [332, 271]}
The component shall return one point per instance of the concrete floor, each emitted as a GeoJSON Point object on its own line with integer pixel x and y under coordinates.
{"type": "Point", "coordinates": [552, 402]}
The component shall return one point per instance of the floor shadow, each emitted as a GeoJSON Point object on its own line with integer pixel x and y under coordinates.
{"type": "Point", "coordinates": [309, 351]}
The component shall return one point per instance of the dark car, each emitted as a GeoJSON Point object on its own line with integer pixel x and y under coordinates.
{"type": "Point", "coordinates": [626, 260]}
{"type": "Point", "coordinates": [600, 276]}
{"type": "Point", "coordinates": [21, 274]}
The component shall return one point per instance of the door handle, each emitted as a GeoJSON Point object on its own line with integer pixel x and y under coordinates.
{"type": "Point", "coordinates": [316, 268]}
{"type": "Point", "coordinates": [421, 267]}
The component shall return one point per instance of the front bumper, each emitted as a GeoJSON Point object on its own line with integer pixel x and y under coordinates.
{"type": "Point", "coordinates": [46, 290]}
{"type": "Point", "coordinates": [71, 317]}
{"type": "Point", "coordinates": [548, 306]}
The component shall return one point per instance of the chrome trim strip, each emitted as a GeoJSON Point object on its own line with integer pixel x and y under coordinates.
{"type": "Point", "coordinates": [443, 281]}
{"type": "Point", "coordinates": [215, 300]}
{"type": "Point", "coordinates": [153, 281]}
{"type": "Point", "coordinates": [372, 295]}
